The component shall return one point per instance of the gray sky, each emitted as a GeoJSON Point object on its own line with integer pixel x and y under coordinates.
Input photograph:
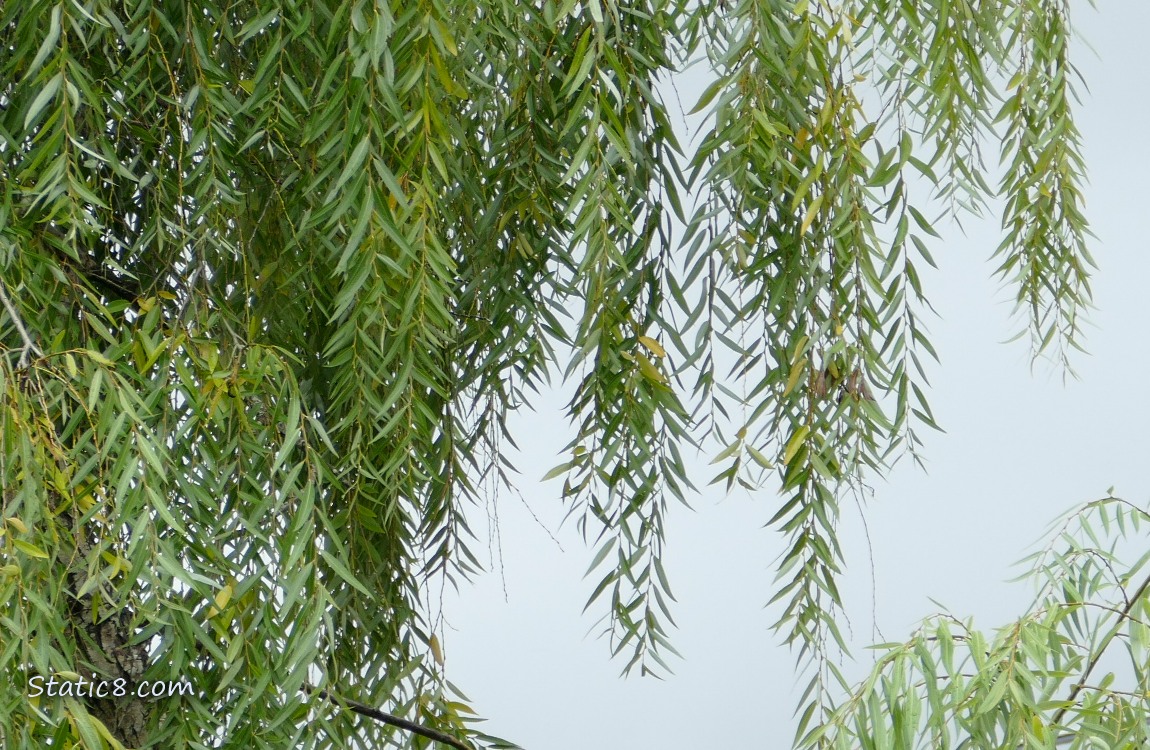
{"type": "Point", "coordinates": [1020, 448]}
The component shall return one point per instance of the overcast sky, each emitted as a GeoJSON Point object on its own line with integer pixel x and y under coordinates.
{"type": "Point", "coordinates": [1020, 447]}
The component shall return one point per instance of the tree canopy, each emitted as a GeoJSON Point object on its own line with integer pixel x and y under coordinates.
{"type": "Point", "coordinates": [275, 273]}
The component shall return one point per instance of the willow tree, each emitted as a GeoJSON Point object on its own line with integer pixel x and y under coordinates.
{"type": "Point", "coordinates": [275, 274]}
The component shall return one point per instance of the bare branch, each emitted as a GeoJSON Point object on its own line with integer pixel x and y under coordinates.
{"type": "Point", "coordinates": [386, 718]}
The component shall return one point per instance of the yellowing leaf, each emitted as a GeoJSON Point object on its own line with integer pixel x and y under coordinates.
{"type": "Point", "coordinates": [801, 138]}
{"type": "Point", "coordinates": [17, 524]}
{"type": "Point", "coordinates": [224, 595]}
{"type": "Point", "coordinates": [436, 651]}
{"type": "Point", "coordinates": [795, 443]}
{"type": "Point", "coordinates": [85, 502]}
{"type": "Point", "coordinates": [115, 563]}
{"type": "Point", "coordinates": [59, 481]}
{"type": "Point", "coordinates": [812, 211]}
{"type": "Point", "coordinates": [797, 370]}
{"type": "Point", "coordinates": [653, 346]}
{"type": "Point", "coordinates": [649, 370]}
{"type": "Point", "coordinates": [99, 358]}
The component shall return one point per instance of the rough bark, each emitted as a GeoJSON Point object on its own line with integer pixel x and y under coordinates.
{"type": "Point", "coordinates": [105, 649]}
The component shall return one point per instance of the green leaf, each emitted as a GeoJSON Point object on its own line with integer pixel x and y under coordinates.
{"type": "Point", "coordinates": [46, 94]}
{"type": "Point", "coordinates": [84, 724]}
{"type": "Point", "coordinates": [30, 549]}
{"type": "Point", "coordinates": [345, 573]}
{"type": "Point", "coordinates": [559, 470]}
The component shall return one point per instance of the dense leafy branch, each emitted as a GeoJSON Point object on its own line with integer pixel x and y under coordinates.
{"type": "Point", "coordinates": [1124, 615]}
{"type": "Point", "coordinates": [287, 269]}
{"type": "Point", "coordinates": [1030, 684]}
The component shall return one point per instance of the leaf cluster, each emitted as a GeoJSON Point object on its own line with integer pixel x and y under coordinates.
{"type": "Point", "coordinates": [1069, 673]}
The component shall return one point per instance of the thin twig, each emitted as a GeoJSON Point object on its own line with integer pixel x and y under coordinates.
{"type": "Point", "coordinates": [189, 290]}
{"type": "Point", "coordinates": [29, 345]}
{"type": "Point", "coordinates": [386, 718]}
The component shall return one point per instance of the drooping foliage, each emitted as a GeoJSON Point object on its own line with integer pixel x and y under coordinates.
{"type": "Point", "coordinates": [274, 275]}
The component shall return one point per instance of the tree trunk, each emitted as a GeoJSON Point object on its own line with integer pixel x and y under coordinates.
{"type": "Point", "coordinates": [105, 651]}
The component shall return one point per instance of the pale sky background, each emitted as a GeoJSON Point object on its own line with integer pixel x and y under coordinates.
{"type": "Point", "coordinates": [1020, 447]}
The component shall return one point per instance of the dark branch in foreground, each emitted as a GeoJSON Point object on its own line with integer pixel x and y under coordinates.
{"type": "Point", "coordinates": [386, 718]}
{"type": "Point", "coordinates": [1124, 615]}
